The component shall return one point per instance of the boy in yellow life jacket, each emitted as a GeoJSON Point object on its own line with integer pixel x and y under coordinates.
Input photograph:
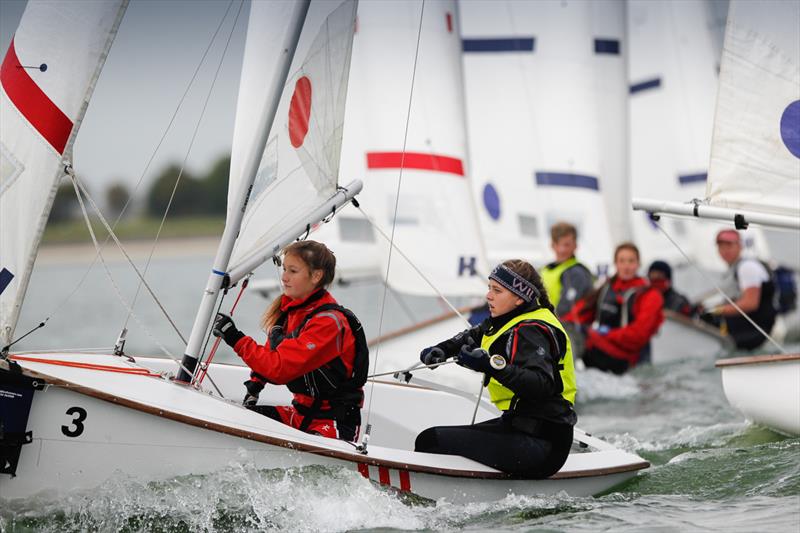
{"type": "Point", "coordinates": [565, 279]}
{"type": "Point", "coordinates": [526, 359]}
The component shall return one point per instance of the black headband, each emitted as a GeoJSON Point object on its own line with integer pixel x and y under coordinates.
{"type": "Point", "coordinates": [514, 282]}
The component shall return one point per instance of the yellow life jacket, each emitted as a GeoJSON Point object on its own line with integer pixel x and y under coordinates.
{"type": "Point", "coordinates": [551, 278]}
{"type": "Point", "coordinates": [501, 395]}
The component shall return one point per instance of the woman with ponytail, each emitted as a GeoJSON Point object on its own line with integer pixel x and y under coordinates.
{"type": "Point", "coordinates": [314, 346]}
{"type": "Point", "coordinates": [526, 359]}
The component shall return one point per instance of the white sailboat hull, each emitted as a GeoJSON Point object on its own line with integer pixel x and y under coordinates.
{"type": "Point", "coordinates": [766, 389]}
{"type": "Point", "coordinates": [682, 338]}
{"type": "Point", "coordinates": [89, 425]}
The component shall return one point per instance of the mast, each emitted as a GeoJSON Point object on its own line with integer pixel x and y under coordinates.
{"type": "Point", "coordinates": [234, 222]}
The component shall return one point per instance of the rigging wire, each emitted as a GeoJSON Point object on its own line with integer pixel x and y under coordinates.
{"type": "Point", "coordinates": [79, 189]}
{"type": "Point", "coordinates": [718, 289]}
{"type": "Point", "coordinates": [191, 142]}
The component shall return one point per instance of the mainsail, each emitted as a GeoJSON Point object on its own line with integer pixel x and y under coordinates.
{"type": "Point", "coordinates": [47, 77]}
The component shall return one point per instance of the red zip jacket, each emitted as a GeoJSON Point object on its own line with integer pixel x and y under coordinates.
{"type": "Point", "coordinates": [624, 342]}
{"type": "Point", "coordinates": [324, 338]}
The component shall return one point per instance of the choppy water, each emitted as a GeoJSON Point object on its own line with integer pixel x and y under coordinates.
{"type": "Point", "coordinates": [712, 471]}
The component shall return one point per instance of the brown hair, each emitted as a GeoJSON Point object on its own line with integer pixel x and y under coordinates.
{"type": "Point", "coordinates": [316, 256]}
{"type": "Point", "coordinates": [526, 270]}
{"type": "Point", "coordinates": [562, 229]}
{"type": "Point", "coordinates": [626, 246]}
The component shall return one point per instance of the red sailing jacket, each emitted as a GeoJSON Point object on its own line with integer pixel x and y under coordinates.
{"type": "Point", "coordinates": [324, 338]}
{"type": "Point", "coordinates": [624, 342]}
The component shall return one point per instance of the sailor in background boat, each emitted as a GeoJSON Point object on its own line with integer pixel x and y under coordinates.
{"type": "Point", "coordinates": [526, 358]}
{"type": "Point", "coordinates": [660, 275]}
{"type": "Point", "coordinates": [750, 285]}
{"type": "Point", "coordinates": [566, 279]}
{"type": "Point", "coordinates": [620, 317]}
{"type": "Point", "coordinates": [315, 347]}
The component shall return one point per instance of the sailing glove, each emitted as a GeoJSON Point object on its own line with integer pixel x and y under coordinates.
{"type": "Point", "coordinates": [476, 359]}
{"type": "Point", "coordinates": [254, 388]}
{"type": "Point", "coordinates": [275, 337]}
{"type": "Point", "coordinates": [432, 355]}
{"type": "Point", "coordinates": [225, 328]}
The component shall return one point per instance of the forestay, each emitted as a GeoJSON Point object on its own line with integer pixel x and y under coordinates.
{"type": "Point", "coordinates": [300, 165]}
{"type": "Point", "coordinates": [47, 77]}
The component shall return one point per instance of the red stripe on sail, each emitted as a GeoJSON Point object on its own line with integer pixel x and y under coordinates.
{"type": "Point", "coordinates": [33, 103]}
{"type": "Point", "coordinates": [405, 481]}
{"type": "Point", "coordinates": [383, 474]}
{"type": "Point", "coordinates": [419, 161]}
{"type": "Point", "coordinates": [363, 469]}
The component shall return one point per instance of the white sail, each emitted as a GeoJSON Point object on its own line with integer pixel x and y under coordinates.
{"type": "Point", "coordinates": [755, 157]}
{"type": "Point", "coordinates": [47, 77]}
{"type": "Point", "coordinates": [436, 225]}
{"type": "Point", "coordinates": [545, 94]}
{"type": "Point", "coordinates": [672, 69]}
{"type": "Point", "coordinates": [300, 165]}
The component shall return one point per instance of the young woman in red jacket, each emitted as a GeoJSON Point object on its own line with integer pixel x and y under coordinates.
{"type": "Point", "coordinates": [314, 346]}
{"type": "Point", "coordinates": [619, 317]}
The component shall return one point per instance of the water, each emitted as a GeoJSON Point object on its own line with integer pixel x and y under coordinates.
{"type": "Point", "coordinates": [711, 470]}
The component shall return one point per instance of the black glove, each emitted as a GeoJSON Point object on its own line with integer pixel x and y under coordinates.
{"type": "Point", "coordinates": [476, 359]}
{"type": "Point", "coordinates": [254, 388]}
{"type": "Point", "coordinates": [225, 328]}
{"type": "Point", "coordinates": [432, 355]}
{"type": "Point", "coordinates": [275, 337]}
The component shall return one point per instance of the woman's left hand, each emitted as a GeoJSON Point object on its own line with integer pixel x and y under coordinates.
{"type": "Point", "coordinates": [476, 359]}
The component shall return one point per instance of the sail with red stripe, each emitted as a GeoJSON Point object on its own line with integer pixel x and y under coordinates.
{"type": "Point", "coordinates": [46, 79]}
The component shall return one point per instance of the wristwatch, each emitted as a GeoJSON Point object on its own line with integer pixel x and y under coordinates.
{"type": "Point", "coordinates": [498, 362]}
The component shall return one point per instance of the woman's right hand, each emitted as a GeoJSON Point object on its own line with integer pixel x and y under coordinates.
{"type": "Point", "coordinates": [432, 355]}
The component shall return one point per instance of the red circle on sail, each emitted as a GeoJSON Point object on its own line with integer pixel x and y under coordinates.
{"type": "Point", "coordinates": [299, 111]}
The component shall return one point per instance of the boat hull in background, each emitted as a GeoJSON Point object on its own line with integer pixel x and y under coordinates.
{"type": "Point", "coordinates": [681, 337]}
{"type": "Point", "coordinates": [766, 389]}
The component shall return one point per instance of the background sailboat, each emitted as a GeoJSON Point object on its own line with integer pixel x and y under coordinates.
{"type": "Point", "coordinates": [754, 177]}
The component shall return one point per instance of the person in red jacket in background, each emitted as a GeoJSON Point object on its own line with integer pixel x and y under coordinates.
{"type": "Point", "coordinates": [620, 316]}
{"type": "Point", "coordinates": [314, 346]}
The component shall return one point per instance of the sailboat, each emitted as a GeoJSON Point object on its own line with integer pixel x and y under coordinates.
{"type": "Point", "coordinates": [754, 178]}
{"type": "Point", "coordinates": [72, 420]}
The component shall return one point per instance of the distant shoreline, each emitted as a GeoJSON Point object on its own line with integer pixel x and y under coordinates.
{"type": "Point", "coordinates": [50, 253]}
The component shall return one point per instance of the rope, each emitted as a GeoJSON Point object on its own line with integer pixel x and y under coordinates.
{"type": "Point", "coordinates": [720, 291]}
{"type": "Point", "coordinates": [88, 366]}
{"type": "Point", "coordinates": [191, 142]}
{"type": "Point", "coordinates": [396, 203]}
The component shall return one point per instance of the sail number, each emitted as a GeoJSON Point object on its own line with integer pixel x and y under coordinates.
{"type": "Point", "coordinates": [80, 415]}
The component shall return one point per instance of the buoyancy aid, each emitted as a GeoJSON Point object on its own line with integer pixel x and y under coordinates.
{"type": "Point", "coordinates": [614, 308]}
{"type": "Point", "coordinates": [502, 396]}
{"type": "Point", "coordinates": [742, 331]}
{"type": "Point", "coordinates": [551, 277]}
{"type": "Point", "coordinates": [332, 383]}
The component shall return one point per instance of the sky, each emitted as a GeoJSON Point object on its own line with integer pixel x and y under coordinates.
{"type": "Point", "coordinates": [158, 47]}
